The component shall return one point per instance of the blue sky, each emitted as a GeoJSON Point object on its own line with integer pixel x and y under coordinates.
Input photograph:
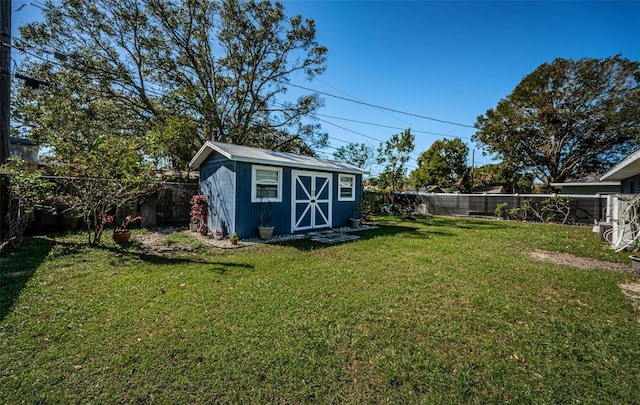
{"type": "Point", "coordinates": [448, 60]}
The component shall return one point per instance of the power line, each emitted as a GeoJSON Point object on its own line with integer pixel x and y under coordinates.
{"type": "Point", "coordinates": [412, 125]}
{"type": "Point", "coordinates": [380, 107]}
{"type": "Point", "coordinates": [392, 127]}
{"type": "Point", "coordinates": [349, 130]}
{"type": "Point", "coordinates": [357, 133]}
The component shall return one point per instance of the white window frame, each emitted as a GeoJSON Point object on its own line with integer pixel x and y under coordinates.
{"type": "Point", "coordinates": [255, 198]}
{"type": "Point", "coordinates": [353, 187]}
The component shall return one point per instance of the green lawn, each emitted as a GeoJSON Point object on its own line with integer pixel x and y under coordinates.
{"type": "Point", "coordinates": [439, 310]}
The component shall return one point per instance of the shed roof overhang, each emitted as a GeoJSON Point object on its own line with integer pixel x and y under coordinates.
{"type": "Point", "coordinates": [249, 154]}
{"type": "Point", "coordinates": [628, 167]}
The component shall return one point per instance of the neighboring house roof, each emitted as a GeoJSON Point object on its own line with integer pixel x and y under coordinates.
{"type": "Point", "coordinates": [249, 154]}
{"type": "Point", "coordinates": [425, 189]}
{"type": "Point", "coordinates": [431, 189]}
{"type": "Point", "coordinates": [628, 167]}
{"type": "Point", "coordinates": [488, 190]}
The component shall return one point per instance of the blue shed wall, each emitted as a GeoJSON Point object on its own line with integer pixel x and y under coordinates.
{"type": "Point", "coordinates": [343, 210]}
{"type": "Point", "coordinates": [218, 183]}
{"type": "Point", "coordinates": [248, 213]}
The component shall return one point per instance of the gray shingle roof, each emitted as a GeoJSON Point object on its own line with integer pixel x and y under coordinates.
{"type": "Point", "coordinates": [268, 157]}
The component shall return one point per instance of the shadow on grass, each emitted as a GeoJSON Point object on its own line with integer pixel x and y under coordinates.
{"type": "Point", "coordinates": [381, 230]}
{"type": "Point", "coordinates": [131, 251]}
{"type": "Point", "coordinates": [464, 223]}
{"type": "Point", "coordinates": [16, 271]}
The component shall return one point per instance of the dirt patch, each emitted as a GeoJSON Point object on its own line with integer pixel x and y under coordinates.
{"type": "Point", "coordinates": [567, 259]}
{"type": "Point", "coordinates": [631, 289]}
{"type": "Point", "coordinates": [156, 242]}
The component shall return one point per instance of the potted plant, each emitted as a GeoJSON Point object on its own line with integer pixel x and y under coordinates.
{"type": "Point", "coordinates": [234, 238]}
{"type": "Point", "coordinates": [122, 233]}
{"type": "Point", "coordinates": [355, 219]}
{"type": "Point", "coordinates": [200, 213]}
{"type": "Point", "coordinates": [265, 229]}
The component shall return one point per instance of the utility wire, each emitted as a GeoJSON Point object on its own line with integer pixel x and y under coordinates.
{"type": "Point", "coordinates": [349, 130]}
{"type": "Point", "coordinates": [380, 107]}
{"type": "Point", "coordinates": [392, 127]}
{"type": "Point", "coordinates": [409, 166]}
{"type": "Point", "coordinates": [413, 127]}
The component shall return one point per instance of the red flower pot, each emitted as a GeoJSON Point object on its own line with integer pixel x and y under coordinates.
{"type": "Point", "coordinates": [122, 237]}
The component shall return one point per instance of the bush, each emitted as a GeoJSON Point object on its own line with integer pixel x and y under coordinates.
{"type": "Point", "coordinates": [501, 210]}
{"type": "Point", "coordinates": [200, 212]}
{"type": "Point", "coordinates": [27, 190]}
{"type": "Point", "coordinates": [553, 209]}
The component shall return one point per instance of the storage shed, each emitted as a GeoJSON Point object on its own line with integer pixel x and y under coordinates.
{"type": "Point", "coordinates": [294, 193]}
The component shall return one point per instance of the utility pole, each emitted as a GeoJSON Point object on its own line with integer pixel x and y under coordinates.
{"type": "Point", "coordinates": [473, 166]}
{"type": "Point", "coordinates": [5, 78]}
{"type": "Point", "coordinates": [5, 105]}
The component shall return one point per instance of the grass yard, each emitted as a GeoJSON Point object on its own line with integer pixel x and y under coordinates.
{"type": "Point", "coordinates": [438, 310]}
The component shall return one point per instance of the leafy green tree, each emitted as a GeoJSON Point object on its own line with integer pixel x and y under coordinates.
{"type": "Point", "coordinates": [100, 167]}
{"type": "Point", "coordinates": [110, 176]}
{"type": "Point", "coordinates": [513, 179]}
{"type": "Point", "coordinates": [566, 118]}
{"type": "Point", "coordinates": [357, 154]}
{"type": "Point", "coordinates": [27, 189]}
{"type": "Point", "coordinates": [444, 164]}
{"type": "Point", "coordinates": [197, 70]}
{"type": "Point", "coordinates": [173, 141]}
{"type": "Point", "coordinates": [394, 154]}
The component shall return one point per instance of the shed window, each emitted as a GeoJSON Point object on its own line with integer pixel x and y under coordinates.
{"type": "Point", "coordinates": [346, 187]}
{"type": "Point", "coordinates": [266, 184]}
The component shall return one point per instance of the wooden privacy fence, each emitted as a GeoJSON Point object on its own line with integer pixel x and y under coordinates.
{"type": "Point", "coordinates": [585, 209]}
{"type": "Point", "coordinates": [167, 206]}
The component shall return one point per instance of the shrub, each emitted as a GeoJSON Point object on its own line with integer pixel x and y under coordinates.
{"type": "Point", "coordinates": [553, 209]}
{"type": "Point", "coordinates": [501, 210]}
{"type": "Point", "coordinates": [200, 212]}
{"type": "Point", "coordinates": [27, 190]}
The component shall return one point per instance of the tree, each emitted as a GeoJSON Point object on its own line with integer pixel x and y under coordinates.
{"type": "Point", "coordinates": [394, 154]}
{"type": "Point", "coordinates": [27, 189]}
{"type": "Point", "coordinates": [185, 72]}
{"type": "Point", "coordinates": [444, 164]}
{"type": "Point", "coordinates": [100, 167]}
{"type": "Point", "coordinates": [566, 118]}
{"type": "Point", "coordinates": [235, 93]}
{"type": "Point", "coordinates": [508, 176]}
{"type": "Point", "coordinates": [357, 154]}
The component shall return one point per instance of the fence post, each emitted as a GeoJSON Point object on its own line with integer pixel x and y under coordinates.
{"type": "Point", "coordinates": [4, 207]}
{"type": "Point", "coordinates": [485, 202]}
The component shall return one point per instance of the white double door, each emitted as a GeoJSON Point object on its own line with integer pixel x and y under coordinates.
{"type": "Point", "coordinates": [310, 200]}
